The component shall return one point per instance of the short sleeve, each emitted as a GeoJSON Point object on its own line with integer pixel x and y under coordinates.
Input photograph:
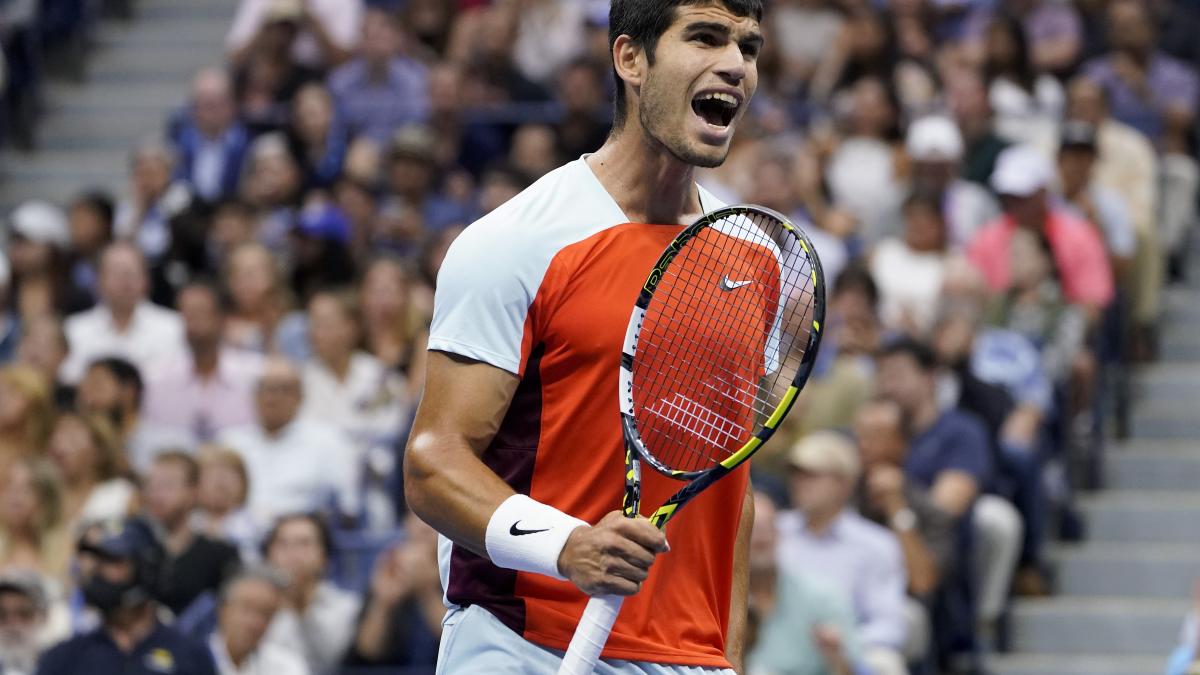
{"type": "Point", "coordinates": [482, 301]}
{"type": "Point", "coordinates": [971, 452]}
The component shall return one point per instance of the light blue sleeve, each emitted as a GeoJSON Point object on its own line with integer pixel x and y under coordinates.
{"type": "Point", "coordinates": [1180, 659]}
{"type": "Point", "coordinates": [882, 595]}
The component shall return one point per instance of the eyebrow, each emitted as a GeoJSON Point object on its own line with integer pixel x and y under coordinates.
{"type": "Point", "coordinates": [753, 38]}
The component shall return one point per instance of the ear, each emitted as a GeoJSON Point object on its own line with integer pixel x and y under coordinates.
{"type": "Point", "coordinates": [629, 60]}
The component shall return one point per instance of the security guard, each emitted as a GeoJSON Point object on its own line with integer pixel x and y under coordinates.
{"type": "Point", "coordinates": [119, 565]}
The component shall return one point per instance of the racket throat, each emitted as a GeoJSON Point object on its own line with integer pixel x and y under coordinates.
{"type": "Point", "coordinates": [633, 484]}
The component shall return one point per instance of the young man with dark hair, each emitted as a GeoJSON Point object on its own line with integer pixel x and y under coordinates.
{"type": "Point", "coordinates": [516, 452]}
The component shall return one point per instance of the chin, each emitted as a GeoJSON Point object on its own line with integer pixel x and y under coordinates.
{"type": "Point", "coordinates": [702, 156]}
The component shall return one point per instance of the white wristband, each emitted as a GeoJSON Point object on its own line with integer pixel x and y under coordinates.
{"type": "Point", "coordinates": [527, 536]}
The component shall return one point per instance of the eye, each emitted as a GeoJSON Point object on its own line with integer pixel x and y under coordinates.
{"type": "Point", "coordinates": [707, 39]}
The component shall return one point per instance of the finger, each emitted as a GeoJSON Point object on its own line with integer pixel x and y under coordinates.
{"type": "Point", "coordinates": [642, 532]}
{"type": "Point", "coordinates": [621, 568]}
{"type": "Point", "coordinates": [617, 586]}
{"type": "Point", "coordinates": [630, 551]}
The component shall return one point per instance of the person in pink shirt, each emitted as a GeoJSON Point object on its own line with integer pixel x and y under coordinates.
{"type": "Point", "coordinates": [1021, 178]}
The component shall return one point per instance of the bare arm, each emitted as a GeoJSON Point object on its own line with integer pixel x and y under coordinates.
{"type": "Point", "coordinates": [448, 486]}
{"type": "Point", "coordinates": [461, 410]}
{"type": "Point", "coordinates": [735, 645]}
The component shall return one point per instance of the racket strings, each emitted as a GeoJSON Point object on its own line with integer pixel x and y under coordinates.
{"type": "Point", "coordinates": [722, 339]}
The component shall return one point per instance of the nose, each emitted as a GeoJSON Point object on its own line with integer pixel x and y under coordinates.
{"type": "Point", "coordinates": [731, 65]}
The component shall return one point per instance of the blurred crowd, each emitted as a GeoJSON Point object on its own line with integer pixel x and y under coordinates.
{"type": "Point", "coordinates": [208, 378]}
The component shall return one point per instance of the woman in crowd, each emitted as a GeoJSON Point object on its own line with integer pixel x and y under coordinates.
{"type": "Point", "coordinates": [32, 536]}
{"type": "Point", "coordinates": [908, 270]}
{"type": "Point", "coordinates": [86, 450]}
{"type": "Point", "coordinates": [221, 512]}
{"type": "Point", "coordinates": [394, 330]}
{"type": "Point", "coordinates": [258, 296]}
{"type": "Point", "coordinates": [26, 409]}
{"type": "Point", "coordinates": [1027, 105]}
{"type": "Point", "coordinates": [316, 140]}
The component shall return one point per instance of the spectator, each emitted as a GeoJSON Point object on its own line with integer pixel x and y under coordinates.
{"type": "Point", "coordinates": [258, 296]}
{"type": "Point", "coordinates": [91, 219]}
{"type": "Point", "coordinates": [38, 238]}
{"type": "Point", "coordinates": [1092, 201]}
{"type": "Point", "coordinates": [317, 33]}
{"type": "Point", "coordinates": [394, 329]}
{"type": "Point", "coordinates": [32, 537]}
{"type": "Point", "coordinates": [195, 564]}
{"type": "Point", "coordinates": [43, 347]}
{"type": "Point", "coordinates": [1028, 104]}
{"type": "Point", "coordinates": [316, 136]}
{"type": "Point", "coordinates": [221, 501]}
{"type": "Point", "coordinates": [295, 463]}
{"type": "Point", "coordinates": [862, 173]}
{"type": "Point", "coordinates": [249, 602]}
{"type": "Point", "coordinates": [865, 48]}
{"type": "Point", "coordinates": [210, 387]}
{"type": "Point", "coordinates": [1021, 178]}
{"type": "Point", "coordinates": [233, 224]}
{"type": "Point", "coordinates": [119, 567]}
{"type": "Point", "coordinates": [317, 618]}
{"type": "Point", "coordinates": [534, 150]}
{"type": "Point", "coordinates": [27, 624]}
{"type": "Point", "coordinates": [824, 540]}
{"type": "Point", "coordinates": [803, 627]}
{"type": "Point", "coordinates": [412, 175]}
{"type": "Point", "coordinates": [25, 413]}
{"type": "Point", "coordinates": [210, 140]}
{"type": "Point", "coordinates": [586, 116]}
{"type": "Point", "coordinates": [155, 203]}
{"type": "Point", "coordinates": [272, 184]}
{"type": "Point", "coordinates": [89, 461]}
{"type": "Point", "coordinates": [935, 148]}
{"type": "Point", "coordinates": [805, 32]}
{"type": "Point", "coordinates": [113, 388]}
{"type": "Point", "coordinates": [320, 250]}
{"type": "Point", "coordinates": [1127, 164]}
{"type": "Point", "coordinates": [402, 616]}
{"type": "Point", "coordinates": [908, 270]}
{"type": "Point", "coordinates": [383, 89]}
{"type": "Point", "coordinates": [967, 98]}
{"type": "Point", "coordinates": [1148, 90]}
{"type": "Point", "coordinates": [345, 386]}
{"type": "Point", "coordinates": [124, 323]}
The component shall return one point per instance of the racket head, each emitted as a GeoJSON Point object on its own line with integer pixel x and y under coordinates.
{"type": "Point", "coordinates": [723, 336]}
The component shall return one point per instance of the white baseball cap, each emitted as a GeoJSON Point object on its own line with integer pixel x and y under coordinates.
{"type": "Point", "coordinates": [1021, 170]}
{"type": "Point", "coordinates": [934, 138]}
{"type": "Point", "coordinates": [40, 222]}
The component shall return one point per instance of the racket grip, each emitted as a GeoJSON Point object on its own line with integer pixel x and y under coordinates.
{"type": "Point", "coordinates": [590, 635]}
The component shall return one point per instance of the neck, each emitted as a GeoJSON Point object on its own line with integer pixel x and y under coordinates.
{"type": "Point", "coordinates": [179, 536]}
{"type": "Point", "coordinates": [237, 654]}
{"type": "Point", "coordinates": [339, 364]}
{"type": "Point", "coordinates": [129, 627]}
{"type": "Point", "coordinates": [275, 429]}
{"type": "Point", "coordinates": [819, 523]}
{"type": "Point", "coordinates": [121, 316]}
{"type": "Point", "coordinates": [205, 361]}
{"type": "Point", "coordinates": [647, 182]}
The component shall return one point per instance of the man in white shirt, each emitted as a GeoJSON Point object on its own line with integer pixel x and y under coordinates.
{"type": "Point", "coordinates": [825, 539]}
{"type": "Point", "coordinates": [124, 323]}
{"type": "Point", "coordinates": [295, 463]}
{"type": "Point", "coordinates": [249, 603]}
{"type": "Point", "coordinates": [205, 389]}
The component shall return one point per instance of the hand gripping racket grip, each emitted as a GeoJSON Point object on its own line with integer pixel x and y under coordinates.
{"type": "Point", "coordinates": [590, 635]}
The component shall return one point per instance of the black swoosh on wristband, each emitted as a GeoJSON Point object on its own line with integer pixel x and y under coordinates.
{"type": "Point", "coordinates": [517, 532]}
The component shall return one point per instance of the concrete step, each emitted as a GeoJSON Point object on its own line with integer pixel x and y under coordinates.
{"type": "Point", "coordinates": [163, 62]}
{"type": "Point", "coordinates": [66, 130]}
{"type": "Point", "coordinates": [151, 32]}
{"type": "Point", "coordinates": [1139, 516]}
{"type": "Point", "coordinates": [13, 191]}
{"type": "Point", "coordinates": [1159, 382]}
{"type": "Point", "coordinates": [1146, 570]}
{"type": "Point", "coordinates": [1099, 625]}
{"type": "Point", "coordinates": [1145, 465]}
{"type": "Point", "coordinates": [103, 100]}
{"type": "Point", "coordinates": [1074, 664]}
{"type": "Point", "coordinates": [50, 164]}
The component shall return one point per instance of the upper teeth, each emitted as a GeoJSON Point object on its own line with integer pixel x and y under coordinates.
{"type": "Point", "coordinates": [727, 99]}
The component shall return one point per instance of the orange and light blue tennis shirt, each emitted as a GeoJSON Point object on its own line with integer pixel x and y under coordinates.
{"type": "Point", "coordinates": [543, 288]}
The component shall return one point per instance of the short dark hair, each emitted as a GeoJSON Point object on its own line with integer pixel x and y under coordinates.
{"type": "Point", "coordinates": [100, 203]}
{"type": "Point", "coordinates": [913, 348]}
{"type": "Point", "coordinates": [126, 373]}
{"type": "Point", "coordinates": [855, 277]}
{"type": "Point", "coordinates": [206, 285]}
{"type": "Point", "coordinates": [645, 21]}
{"type": "Point", "coordinates": [904, 420]}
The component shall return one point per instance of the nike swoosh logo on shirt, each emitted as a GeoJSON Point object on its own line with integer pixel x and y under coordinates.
{"type": "Point", "coordinates": [729, 285]}
{"type": "Point", "coordinates": [517, 532]}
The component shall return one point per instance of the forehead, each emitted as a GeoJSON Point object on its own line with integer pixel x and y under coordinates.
{"type": "Point", "coordinates": [739, 26]}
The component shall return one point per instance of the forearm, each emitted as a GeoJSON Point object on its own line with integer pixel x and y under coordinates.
{"type": "Point", "coordinates": [735, 645]}
{"type": "Point", "coordinates": [451, 489]}
{"type": "Point", "coordinates": [371, 643]}
{"type": "Point", "coordinates": [920, 563]}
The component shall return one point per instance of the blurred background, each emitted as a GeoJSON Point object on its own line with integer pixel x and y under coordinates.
{"type": "Point", "coordinates": [222, 226]}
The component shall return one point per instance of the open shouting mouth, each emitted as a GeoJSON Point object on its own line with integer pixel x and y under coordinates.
{"type": "Point", "coordinates": [716, 108]}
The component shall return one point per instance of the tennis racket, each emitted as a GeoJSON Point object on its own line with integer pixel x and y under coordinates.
{"type": "Point", "coordinates": [721, 340]}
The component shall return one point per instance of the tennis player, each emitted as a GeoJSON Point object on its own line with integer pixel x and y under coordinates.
{"type": "Point", "coordinates": [516, 452]}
